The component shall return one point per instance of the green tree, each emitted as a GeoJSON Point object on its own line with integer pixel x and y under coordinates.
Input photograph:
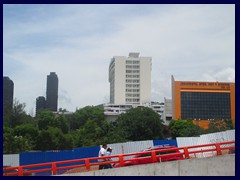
{"type": "Point", "coordinates": [89, 134]}
{"type": "Point", "coordinates": [81, 116]}
{"type": "Point", "coordinates": [7, 116]}
{"type": "Point", "coordinates": [18, 115]}
{"type": "Point", "coordinates": [8, 139]}
{"type": "Point", "coordinates": [29, 132]}
{"type": "Point", "coordinates": [184, 128]}
{"type": "Point", "coordinates": [13, 143]}
{"type": "Point", "coordinates": [140, 123]}
{"type": "Point", "coordinates": [45, 118]}
{"type": "Point", "coordinates": [45, 141]}
{"type": "Point", "coordinates": [61, 123]}
{"type": "Point", "coordinates": [114, 133]}
{"type": "Point", "coordinates": [219, 125]}
{"type": "Point", "coordinates": [53, 138]}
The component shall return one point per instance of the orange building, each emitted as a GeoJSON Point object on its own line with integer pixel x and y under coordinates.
{"type": "Point", "coordinates": [203, 101]}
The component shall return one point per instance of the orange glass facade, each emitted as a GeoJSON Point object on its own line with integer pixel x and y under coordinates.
{"type": "Point", "coordinates": [203, 101]}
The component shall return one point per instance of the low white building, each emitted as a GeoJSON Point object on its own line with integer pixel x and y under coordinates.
{"type": "Point", "coordinates": [112, 111]}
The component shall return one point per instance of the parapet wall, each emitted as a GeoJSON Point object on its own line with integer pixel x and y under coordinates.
{"type": "Point", "coordinates": [212, 166]}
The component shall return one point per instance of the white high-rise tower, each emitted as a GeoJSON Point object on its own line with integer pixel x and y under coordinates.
{"type": "Point", "coordinates": [130, 79]}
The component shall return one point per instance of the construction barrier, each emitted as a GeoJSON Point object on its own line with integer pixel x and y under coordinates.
{"type": "Point", "coordinates": [89, 164]}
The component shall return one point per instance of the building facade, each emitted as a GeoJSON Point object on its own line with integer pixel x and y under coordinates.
{"type": "Point", "coordinates": [130, 79]}
{"type": "Point", "coordinates": [112, 111]}
{"type": "Point", "coordinates": [203, 101]}
{"type": "Point", "coordinates": [40, 104]}
{"type": "Point", "coordinates": [8, 89]}
{"type": "Point", "coordinates": [52, 92]}
{"type": "Point", "coordinates": [167, 112]}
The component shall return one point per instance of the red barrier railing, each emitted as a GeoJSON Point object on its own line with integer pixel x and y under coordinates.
{"type": "Point", "coordinates": [88, 163]}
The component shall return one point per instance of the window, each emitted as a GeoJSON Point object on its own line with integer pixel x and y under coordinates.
{"type": "Point", "coordinates": [129, 62]}
{"type": "Point", "coordinates": [144, 155]}
{"type": "Point", "coordinates": [205, 105]}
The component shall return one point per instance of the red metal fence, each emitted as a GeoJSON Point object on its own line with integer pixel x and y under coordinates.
{"type": "Point", "coordinates": [88, 164]}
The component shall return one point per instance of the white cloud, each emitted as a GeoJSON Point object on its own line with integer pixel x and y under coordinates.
{"type": "Point", "coordinates": [191, 42]}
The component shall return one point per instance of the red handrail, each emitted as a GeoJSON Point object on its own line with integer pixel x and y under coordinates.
{"type": "Point", "coordinates": [87, 163]}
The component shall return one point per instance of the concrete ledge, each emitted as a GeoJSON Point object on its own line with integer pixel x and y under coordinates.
{"type": "Point", "coordinates": [212, 166]}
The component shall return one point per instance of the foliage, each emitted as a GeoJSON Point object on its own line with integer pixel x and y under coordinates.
{"type": "Point", "coordinates": [89, 134]}
{"type": "Point", "coordinates": [184, 128]}
{"type": "Point", "coordinates": [8, 139]}
{"type": "Point", "coordinates": [16, 115]}
{"type": "Point", "coordinates": [61, 123]}
{"type": "Point", "coordinates": [140, 123]}
{"type": "Point", "coordinates": [29, 132]}
{"type": "Point", "coordinates": [15, 144]}
{"type": "Point", "coordinates": [81, 116]}
{"type": "Point", "coordinates": [219, 125]}
{"type": "Point", "coordinates": [166, 131]}
{"type": "Point", "coordinates": [88, 127]}
{"type": "Point", "coordinates": [45, 118]}
{"type": "Point", "coordinates": [53, 138]}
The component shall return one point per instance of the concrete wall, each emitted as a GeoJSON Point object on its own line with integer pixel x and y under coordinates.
{"type": "Point", "coordinates": [212, 166]}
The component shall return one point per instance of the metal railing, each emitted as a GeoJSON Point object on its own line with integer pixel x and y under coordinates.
{"type": "Point", "coordinates": [92, 163]}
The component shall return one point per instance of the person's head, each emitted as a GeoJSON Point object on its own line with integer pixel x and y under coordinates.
{"type": "Point", "coordinates": [104, 146]}
{"type": "Point", "coordinates": [109, 149]}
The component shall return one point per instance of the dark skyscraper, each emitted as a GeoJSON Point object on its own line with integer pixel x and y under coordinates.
{"type": "Point", "coordinates": [8, 87]}
{"type": "Point", "coordinates": [40, 104]}
{"type": "Point", "coordinates": [52, 92]}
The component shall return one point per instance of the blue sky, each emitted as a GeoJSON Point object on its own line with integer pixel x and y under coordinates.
{"type": "Point", "coordinates": [191, 42]}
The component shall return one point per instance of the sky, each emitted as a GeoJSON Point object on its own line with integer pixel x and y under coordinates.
{"type": "Point", "coordinates": [192, 42]}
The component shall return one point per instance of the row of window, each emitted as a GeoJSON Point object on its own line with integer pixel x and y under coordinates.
{"type": "Point", "coordinates": [128, 100]}
{"type": "Point", "coordinates": [132, 66]}
{"type": "Point", "coordinates": [132, 81]}
{"type": "Point", "coordinates": [132, 90]}
{"type": "Point", "coordinates": [132, 71]}
{"type": "Point", "coordinates": [132, 62]}
{"type": "Point", "coordinates": [132, 95]}
{"type": "Point", "coordinates": [132, 85]}
{"type": "Point", "coordinates": [132, 76]}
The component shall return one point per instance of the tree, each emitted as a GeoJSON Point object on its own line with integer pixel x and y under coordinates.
{"type": "Point", "coordinates": [81, 116]}
{"type": "Point", "coordinates": [89, 134]}
{"type": "Point", "coordinates": [7, 116]}
{"type": "Point", "coordinates": [140, 123]}
{"type": "Point", "coordinates": [17, 115]}
{"type": "Point", "coordinates": [29, 132]}
{"type": "Point", "coordinates": [8, 139]}
{"type": "Point", "coordinates": [61, 123]}
{"type": "Point", "coordinates": [219, 125]}
{"type": "Point", "coordinates": [45, 118]}
{"type": "Point", "coordinates": [184, 128]}
{"type": "Point", "coordinates": [13, 143]}
{"type": "Point", "coordinates": [53, 138]}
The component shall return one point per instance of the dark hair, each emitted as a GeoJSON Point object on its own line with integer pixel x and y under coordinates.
{"type": "Point", "coordinates": [104, 145]}
{"type": "Point", "coordinates": [108, 149]}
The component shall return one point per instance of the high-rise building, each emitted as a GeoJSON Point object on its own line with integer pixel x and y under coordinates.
{"type": "Point", "coordinates": [52, 92]}
{"type": "Point", "coordinates": [130, 79]}
{"type": "Point", "coordinates": [8, 88]}
{"type": "Point", "coordinates": [40, 104]}
{"type": "Point", "coordinates": [203, 101]}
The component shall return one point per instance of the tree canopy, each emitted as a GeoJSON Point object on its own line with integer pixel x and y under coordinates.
{"type": "Point", "coordinates": [140, 123]}
{"type": "Point", "coordinates": [184, 128]}
{"type": "Point", "coordinates": [88, 127]}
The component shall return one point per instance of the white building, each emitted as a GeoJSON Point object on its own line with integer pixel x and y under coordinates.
{"type": "Point", "coordinates": [130, 79]}
{"type": "Point", "coordinates": [167, 113]}
{"type": "Point", "coordinates": [158, 107]}
{"type": "Point", "coordinates": [112, 111]}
